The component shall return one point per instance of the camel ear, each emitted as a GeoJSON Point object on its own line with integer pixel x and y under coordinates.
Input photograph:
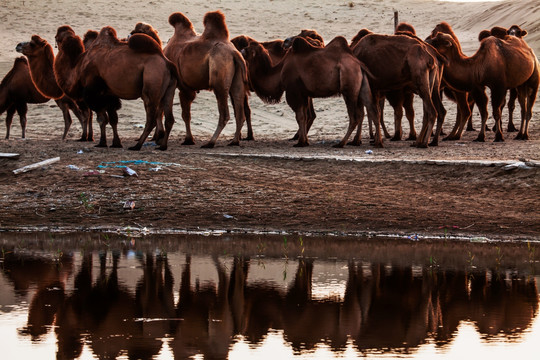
{"type": "Point", "coordinates": [523, 33]}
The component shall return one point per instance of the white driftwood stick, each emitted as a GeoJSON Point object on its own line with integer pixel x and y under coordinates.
{"type": "Point", "coordinates": [36, 165]}
{"type": "Point", "coordinates": [9, 155]}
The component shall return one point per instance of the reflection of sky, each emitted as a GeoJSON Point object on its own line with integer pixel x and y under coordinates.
{"type": "Point", "coordinates": [329, 281]}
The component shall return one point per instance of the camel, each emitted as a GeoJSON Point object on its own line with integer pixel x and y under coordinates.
{"type": "Point", "coordinates": [111, 70]}
{"type": "Point", "coordinates": [208, 62]}
{"type": "Point", "coordinates": [277, 50]}
{"type": "Point", "coordinates": [40, 58]}
{"type": "Point", "coordinates": [344, 75]}
{"type": "Point", "coordinates": [498, 64]}
{"type": "Point", "coordinates": [16, 91]}
{"type": "Point", "coordinates": [404, 63]}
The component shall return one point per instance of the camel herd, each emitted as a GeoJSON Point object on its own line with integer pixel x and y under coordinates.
{"type": "Point", "coordinates": [94, 73]}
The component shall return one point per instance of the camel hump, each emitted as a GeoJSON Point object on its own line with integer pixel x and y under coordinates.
{"type": "Point", "coordinates": [89, 37]}
{"type": "Point", "coordinates": [143, 43]}
{"type": "Point", "coordinates": [214, 26]}
{"type": "Point", "coordinates": [21, 60]}
{"type": "Point", "coordinates": [301, 45]}
{"type": "Point", "coordinates": [359, 36]}
{"type": "Point", "coordinates": [498, 32]}
{"type": "Point", "coordinates": [179, 18]}
{"type": "Point", "coordinates": [339, 42]}
{"type": "Point", "coordinates": [404, 27]}
{"type": "Point", "coordinates": [144, 28]}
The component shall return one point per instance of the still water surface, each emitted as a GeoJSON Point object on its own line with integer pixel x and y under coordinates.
{"type": "Point", "coordinates": [173, 297]}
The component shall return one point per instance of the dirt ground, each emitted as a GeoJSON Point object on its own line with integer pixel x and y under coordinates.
{"type": "Point", "coordinates": [268, 185]}
{"type": "Point", "coordinates": [459, 188]}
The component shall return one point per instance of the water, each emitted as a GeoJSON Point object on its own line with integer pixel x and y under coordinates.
{"type": "Point", "coordinates": [90, 296]}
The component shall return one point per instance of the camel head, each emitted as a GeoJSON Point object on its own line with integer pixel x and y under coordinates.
{"type": "Point", "coordinates": [35, 47]}
{"type": "Point", "coordinates": [214, 26]}
{"type": "Point", "coordinates": [516, 31]}
{"type": "Point", "coordinates": [443, 43]}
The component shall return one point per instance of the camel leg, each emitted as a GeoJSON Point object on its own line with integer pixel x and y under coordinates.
{"type": "Point", "coordinates": [386, 133]}
{"type": "Point", "coordinates": [113, 120]}
{"type": "Point", "coordinates": [497, 102]}
{"type": "Point", "coordinates": [395, 99]}
{"type": "Point", "coordinates": [102, 120]}
{"type": "Point", "coordinates": [367, 100]}
{"type": "Point", "coordinates": [441, 114]}
{"type": "Point", "coordinates": [238, 100]}
{"type": "Point", "coordinates": [351, 103]}
{"type": "Point", "coordinates": [9, 120]}
{"type": "Point", "coordinates": [186, 98]}
{"type": "Point", "coordinates": [223, 108]}
{"type": "Point", "coordinates": [428, 119]}
{"type": "Point", "coordinates": [84, 114]}
{"type": "Point", "coordinates": [530, 102]}
{"type": "Point", "coordinates": [481, 101]}
{"type": "Point", "coordinates": [408, 105]}
{"type": "Point", "coordinates": [511, 106]}
{"type": "Point", "coordinates": [311, 115]}
{"type": "Point", "coordinates": [64, 107]}
{"type": "Point", "coordinates": [357, 140]}
{"type": "Point", "coordinates": [167, 102]}
{"type": "Point", "coordinates": [462, 117]}
{"type": "Point", "coordinates": [247, 112]}
{"type": "Point", "coordinates": [22, 110]}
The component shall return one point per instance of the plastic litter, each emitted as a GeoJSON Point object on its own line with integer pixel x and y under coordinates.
{"type": "Point", "coordinates": [129, 171]}
{"type": "Point", "coordinates": [73, 167]}
{"type": "Point", "coordinates": [129, 205]}
{"type": "Point", "coordinates": [369, 152]}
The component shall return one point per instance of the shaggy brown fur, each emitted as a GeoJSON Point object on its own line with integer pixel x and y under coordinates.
{"type": "Point", "coordinates": [208, 62]}
{"type": "Point", "coordinates": [498, 64]}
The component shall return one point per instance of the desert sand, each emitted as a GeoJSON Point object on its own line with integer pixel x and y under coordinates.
{"type": "Point", "coordinates": [218, 189]}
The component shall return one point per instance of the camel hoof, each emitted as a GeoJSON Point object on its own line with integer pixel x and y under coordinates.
{"type": "Point", "coordinates": [300, 145]}
{"type": "Point", "coordinates": [101, 145]}
{"type": "Point", "coordinates": [117, 146]}
{"type": "Point", "coordinates": [434, 143]}
{"type": "Point", "coordinates": [338, 146]}
{"type": "Point", "coordinates": [136, 147]}
{"type": "Point", "coordinates": [479, 139]}
{"type": "Point", "coordinates": [234, 143]}
{"type": "Point", "coordinates": [470, 128]}
{"type": "Point", "coordinates": [412, 138]}
{"type": "Point", "coordinates": [395, 138]}
{"type": "Point", "coordinates": [207, 146]}
{"type": "Point", "coordinates": [188, 142]}
{"type": "Point", "coordinates": [498, 139]}
{"type": "Point", "coordinates": [162, 147]}
{"type": "Point", "coordinates": [355, 143]}
{"type": "Point", "coordinates": [511, 128]}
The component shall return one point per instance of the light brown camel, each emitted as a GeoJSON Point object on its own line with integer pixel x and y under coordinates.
{"type": "Point", "coordinates": [343, 75]}
{"type": "Point", "coordinates": [208, 62]}
{"type": "Point", "coordinates": [498, 64]}
{"type": "Point", "coordinates": [110, 70]}
{"type": "Point", "coordinates": [16, 91]}
{"type": "Point", "coordinates": [404, 63]}
{"type": "Point", "coordinates": [40, 60]}
{"type": "Point", "coordinates": [502, 33]}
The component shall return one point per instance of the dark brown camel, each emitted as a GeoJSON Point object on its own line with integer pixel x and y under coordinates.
{"type": "Point", "coordinates": [40, 60]}
{"type": "Point", "coordinates": [208, 62]}
{"type": "Point", "coordinates": [498, 64]}
{"type": "Point", "coordinates": [277, 50]}
{"type": "Point", "coordinates": [344, 75]}
{"type": "Point", "coordinates": [112, 70]}
{"type": "Point", "coordinates": [16, 91]}
{"type": "Point", "coordinates": [404, 63]}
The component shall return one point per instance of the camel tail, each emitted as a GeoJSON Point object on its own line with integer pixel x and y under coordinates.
{"type": "Point", "coordinates": [241, 68]}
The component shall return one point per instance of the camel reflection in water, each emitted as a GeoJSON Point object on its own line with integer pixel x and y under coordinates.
{"type": "Point", "coordinates": [383, 307]}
